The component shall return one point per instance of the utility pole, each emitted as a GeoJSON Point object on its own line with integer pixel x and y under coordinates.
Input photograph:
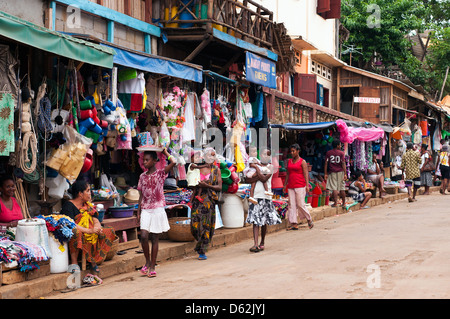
{"type": "Point", "coordinates": [443, 84]}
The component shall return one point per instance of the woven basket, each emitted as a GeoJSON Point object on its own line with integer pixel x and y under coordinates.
{"type": "Point", "coordinates": [391, 189]}
{"type": "Point", "coordinates": [113, 251]}
{"type": "Point", "coordinates": [180, 232]}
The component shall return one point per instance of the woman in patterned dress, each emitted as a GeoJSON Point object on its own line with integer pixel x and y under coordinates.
{"type": "Point", "coordinates": [89, 236]}
{"type": "Point", "coordinates": [203, 215]}
{"type": "Point", "coordinates": [263, 213]}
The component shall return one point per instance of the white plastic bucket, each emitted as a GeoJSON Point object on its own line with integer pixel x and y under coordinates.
{"type": "Point", "coordinates": [33, 231]}
{"type": "Point", "coordinates": [60, 256]}
{"type": "Point", "coordinates": [232, 211]}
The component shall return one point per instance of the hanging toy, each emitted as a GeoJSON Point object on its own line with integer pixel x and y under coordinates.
{"type": "Point", "coordinates": [206, 105]}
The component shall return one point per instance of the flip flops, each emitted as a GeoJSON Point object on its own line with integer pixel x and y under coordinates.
{"type": "Point", "coordinates": [144, 270]}
{"type": "Point", "coordinates": [151, 274]}
{"type": "Point", "coordinates": [292, 228]}
{"type": "Point", "coordinates": [254, 249]}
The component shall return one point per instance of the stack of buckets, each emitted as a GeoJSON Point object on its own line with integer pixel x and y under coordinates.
{"type": "Point", "coordinates": [319, 196]}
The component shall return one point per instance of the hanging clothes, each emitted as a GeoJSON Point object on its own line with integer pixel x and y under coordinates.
{"type": "Point", "coordinates": [206, 105]}
{"type": "Point", "coordinates": [189, 124]}
{"type": "Point", "coordinates": [7, 145]}
{"type": "Point", "coordinates": [131, 93]}
{"type": "Point", "coordinates": [258, 108]}
{"type": "Point", "coordinates": [8, 82]}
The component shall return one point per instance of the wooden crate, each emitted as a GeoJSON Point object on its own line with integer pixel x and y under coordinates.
{"type": "Point", "coordinates": [14, 276]}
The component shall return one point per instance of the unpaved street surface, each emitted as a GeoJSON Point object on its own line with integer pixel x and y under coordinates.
{"type": "Point", "coordinates": [396, 250]}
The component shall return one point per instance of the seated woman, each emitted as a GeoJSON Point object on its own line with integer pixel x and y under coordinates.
{"type": "Point", "coordinates": [89, 236]}
{"type": "Point", "coordinates": [375, 175]}
{"type": "Point", "coordinates": [357, 190]}
{"type": "Point", "coordinates": [10, 211]}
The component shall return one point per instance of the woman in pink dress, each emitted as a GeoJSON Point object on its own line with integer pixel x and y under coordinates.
{"type": "Point", "coordinates": [10, 210]}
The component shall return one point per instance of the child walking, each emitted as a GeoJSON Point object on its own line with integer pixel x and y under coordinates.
{"type": "Point", "coordinates": [151, 212]}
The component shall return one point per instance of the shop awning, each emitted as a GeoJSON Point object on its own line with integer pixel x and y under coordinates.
{"type": "Point", "coordinates": [55, 42]}
{"type": "Point", "coordinates": [219, 77]}
{"type": "Point", "coordinates": [385, 127]}
{"type": "Point", "coordinates": [156, 64]}
{"type": "Point", "coordinates": [305, 126]}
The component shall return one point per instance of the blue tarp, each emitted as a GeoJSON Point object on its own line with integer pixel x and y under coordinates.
{"type": "Point", "coordinates": [305, 126]}
{"type": "Point", "coordinates": [157, 65]}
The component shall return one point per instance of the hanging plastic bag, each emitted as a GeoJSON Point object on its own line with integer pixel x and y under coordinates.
{"type": "Point", "coordinates": [164, 135]}
{"type": "Point", "coordinates": [68, 159]}
{"type": "Point", "coordinates": [57, 186]}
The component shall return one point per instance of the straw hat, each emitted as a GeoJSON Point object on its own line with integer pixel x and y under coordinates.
{"type": "Point", "coordinates": [132, 195]}
{"type": "Point", "coordinates": [120, 182]}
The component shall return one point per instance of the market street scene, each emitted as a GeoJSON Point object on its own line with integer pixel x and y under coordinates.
{"type": "Point", "coordinates": [224, 149]}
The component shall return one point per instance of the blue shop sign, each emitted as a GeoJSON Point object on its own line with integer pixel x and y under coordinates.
{"type": "Point", "coordinates": [260, 71]}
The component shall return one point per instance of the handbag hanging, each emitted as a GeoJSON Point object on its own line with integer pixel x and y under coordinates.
{"type": "Point", "coordinates": [429, 166]}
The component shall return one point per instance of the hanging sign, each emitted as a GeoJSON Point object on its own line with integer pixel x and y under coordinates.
{"type": "Point", "coordinates": [260, 71]}
{"type": "Point", "coordinates": [359, 99]}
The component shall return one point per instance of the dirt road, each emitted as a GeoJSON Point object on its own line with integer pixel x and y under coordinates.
{"type": "Point", "coordinates": [396, 250]}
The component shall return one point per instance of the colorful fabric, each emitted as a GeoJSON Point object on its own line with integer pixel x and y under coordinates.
{"type": "Point", "coordinates": [349, 134]}
{"type": "Point", "coordinates": [203, 215]}
{"type": "Point", "coordinates": [7, 145]}
{"type": "Point", "coordinates": [59, 226]}
{"type": "Point", "coordinates": [152, 189]}
{"type": "Point", "coordinates": [282, 207]}
{"type": "Point", "coordinates": [179, 197]}
{"type": "Point", "coordinates": [93, 250]}
{"type": "Point", "coordinates": [131, 93]}
{"type": "Point", "coordinates": [22, 254]}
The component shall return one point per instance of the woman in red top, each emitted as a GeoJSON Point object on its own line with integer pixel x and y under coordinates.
{"type": "Point", "coordinates": [297, 185]}
{"type": "Point", "coordinates": [10, 209]}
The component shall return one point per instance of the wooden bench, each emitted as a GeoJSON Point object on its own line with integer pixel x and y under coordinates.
{"type": "Point", "coordinates": [126, 229]}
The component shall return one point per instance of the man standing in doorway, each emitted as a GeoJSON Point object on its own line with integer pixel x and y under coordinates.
{"type": "Point", "coordinates": [335, 164]}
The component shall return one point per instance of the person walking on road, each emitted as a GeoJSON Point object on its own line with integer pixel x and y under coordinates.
{"type": "Point", "coordinates": [411, 161]}
{"type": "Point", "coordinates": [151, 213]}
{"type": "Point", "coordinates": [263, 213]}
{"type": "Point", "coordinates": [335, 165]}
{"type": "Point", "coordinates": [203, 215]}
{"type": "Point", "coordinates": [444, 167]}
{"type": "Point", "coordinates": [297, 185]}
{"type": "Point", "coordinates": [426, 167]}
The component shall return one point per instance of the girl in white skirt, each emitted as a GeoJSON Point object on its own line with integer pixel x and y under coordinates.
{"type": "Point", "coordinates": [151, 212]}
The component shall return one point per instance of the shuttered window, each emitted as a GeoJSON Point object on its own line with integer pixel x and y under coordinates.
{"type": "Point", "coordinates": [329, 9]}
{"type": "Point", "coordinates": [305, 87]}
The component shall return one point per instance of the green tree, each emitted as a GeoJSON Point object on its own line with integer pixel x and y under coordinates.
{"type": "Point", "coordinates": [380, 27]}
{"type": "Point", "coordinates": [438, 59]}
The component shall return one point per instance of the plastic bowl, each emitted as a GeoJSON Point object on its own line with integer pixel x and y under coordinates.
{"type": "Point", "coordinates": [121, 212]}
